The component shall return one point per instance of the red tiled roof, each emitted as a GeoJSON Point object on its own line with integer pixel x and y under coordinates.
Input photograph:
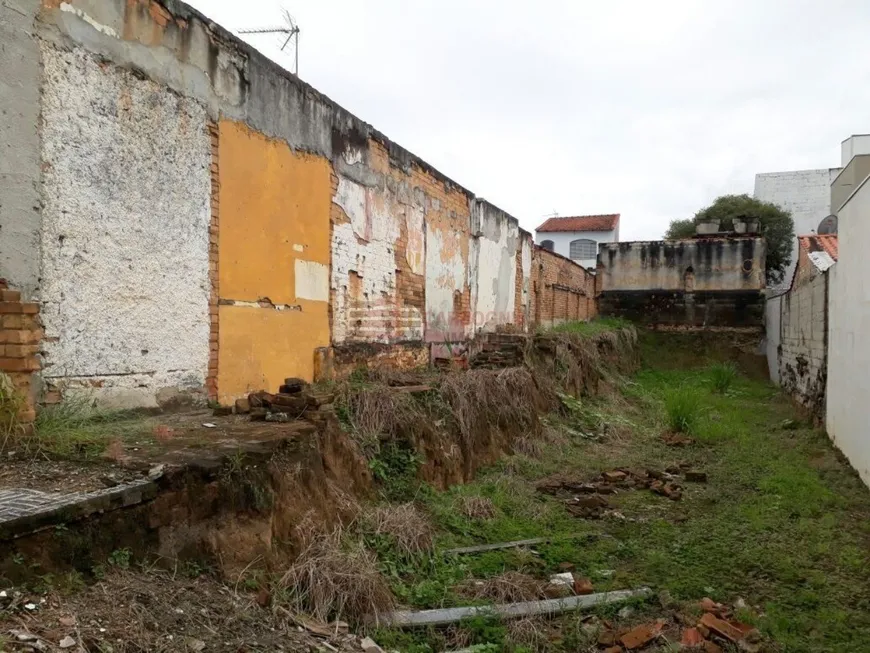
{"type": "Point", "coordinates": [607, 222]}
{"type": "Point", "coordinates": [824, 243]}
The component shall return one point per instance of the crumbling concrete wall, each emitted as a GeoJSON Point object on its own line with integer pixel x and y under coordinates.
{"type": "Point", "coordinates": [125, 232]}
{"type": "Point", "coordinates": [803, 351]}
{"type": "Point", "coordinates": [20, 192]}
{"type": "Point", "coordinates": [703, 282]}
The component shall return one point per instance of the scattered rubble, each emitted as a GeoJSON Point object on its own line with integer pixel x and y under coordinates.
{"type": "Point", "coordinates": [587, 500]}
{"type": "Point", "coordinates": [294, 400]}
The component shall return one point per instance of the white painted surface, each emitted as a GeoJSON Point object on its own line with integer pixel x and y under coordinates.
{"type": "Point", "coordinates": [562, 242]}
{"type": "Point", "coordinates": [105, 29]}
{"type": "Point", "coordinates": [494, 267]}
{"type": "Point", "coordinates": [125, 232]}
{"type": "Point", "coordinates": [312, 280]}
{"type": "Point", "coordinates": [853, 146]}
{"type": "Point", "coordinates": [806, 194]}
{"type": "Point", "coordinates": [446, 274]}
{"type": "Point", "coordinates": [848, 408]}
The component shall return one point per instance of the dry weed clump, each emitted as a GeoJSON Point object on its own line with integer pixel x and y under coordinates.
{"type": "Point", "coordinates": [405, 524]}
{"type": "Point", "coordinates": [336, 577]}
{"type": "Point", "coordinates": [481, 400]}
{"type": "Point", "coordinates": [479, 508]}
{"type": "Point", "coordinates": [530, 633]}
{"type": "Point", "coordinates": [509, 587]}
{"type": "Point", "coordinates": [378, 412]}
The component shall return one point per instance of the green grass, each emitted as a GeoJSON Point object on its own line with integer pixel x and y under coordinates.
{"type": "Point", "coordinates": [782, 523]}
{"type": "Point", "coordinates": [74, 429]}
{"type": "Point", "coordinates": [591, 328]}
{"type": "Point", "coordinates": [723, 376]}
{"type": "Point", "coordinates": [683, 406]}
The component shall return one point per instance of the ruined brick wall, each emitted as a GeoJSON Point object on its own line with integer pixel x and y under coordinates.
{"type": "Point", "coordinates": [562, 290]}
{"type": "Point", "coordinates": [803, 349]}
{"type": "Point", "coordinates": [212, 222]}
{"type": "Point", "coordinates": [20, 337]}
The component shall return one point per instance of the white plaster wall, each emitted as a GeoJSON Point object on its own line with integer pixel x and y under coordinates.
{"type": "Point", "coordinates": [365, 248]}
{"type": "Point", "coordinates": [772, 341]}
{"type": "Point", "coordinates": [446, 274]}
{"type": "Point", "coordinates": [125, 239]}
{"type": "Point", "coordinates": [848, 408]}
{"type": "Point", "coordinates": [802, 361]}
{"type": "Point", "coordinates": [562, 242]}
{"type": "Point", "coordinates": [806, 194]}
{"type": "Point", "coordinates": [854, 146]}
{"type": "Point", "coordinates": [494, 267]}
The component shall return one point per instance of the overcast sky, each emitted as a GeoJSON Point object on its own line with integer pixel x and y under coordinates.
{"type": "Point", "coordinates": [648, 109]}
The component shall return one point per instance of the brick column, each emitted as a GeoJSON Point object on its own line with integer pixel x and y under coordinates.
{"type": "Point", "coordinates": [20, 335]}
{"type": "Point", "coordinates": [213, 232]}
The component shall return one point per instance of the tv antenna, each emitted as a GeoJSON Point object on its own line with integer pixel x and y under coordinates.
{"type": "Point", "coordinates": [289, 31]}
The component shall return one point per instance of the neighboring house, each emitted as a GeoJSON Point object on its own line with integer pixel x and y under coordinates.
{"type": "Point", "coordinates": [578, 237]}
{"type": "Point", "coordinates": [797, 325]}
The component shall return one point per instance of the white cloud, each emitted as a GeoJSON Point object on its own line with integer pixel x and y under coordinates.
{"type": "Point", "coordinates": [647, 109]}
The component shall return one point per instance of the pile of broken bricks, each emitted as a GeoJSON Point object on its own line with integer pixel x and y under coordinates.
{"type": "Point", "coordinates": [294, 400]}
{"type": "Point", "coordinates": [588, 499]}
{"type": "Point", "coordinates": [715, 632]}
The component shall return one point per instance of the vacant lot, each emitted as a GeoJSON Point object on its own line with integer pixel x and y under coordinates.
{"type": "Point", "coordinates": [781, 525]}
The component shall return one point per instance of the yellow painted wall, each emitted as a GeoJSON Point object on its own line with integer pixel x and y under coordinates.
{"type": "Point", "coordinates": [274, 209]}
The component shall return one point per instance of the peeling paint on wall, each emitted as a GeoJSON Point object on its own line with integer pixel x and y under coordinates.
{"type": "Point", "coordinates": [493, 266]}
{"type": "Point", "coordinates": [446, 274]}
{"type": "Point", "coordinates": [125, 235]}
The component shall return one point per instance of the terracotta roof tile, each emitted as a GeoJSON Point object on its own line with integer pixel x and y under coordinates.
{"type": "Point", "coordinates": [821, 243]}
{"type": "Point", "coordinates": [606, 222]}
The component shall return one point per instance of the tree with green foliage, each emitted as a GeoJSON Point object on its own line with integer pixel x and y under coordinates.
{"type": "Point", "coordinates": [775, 224]}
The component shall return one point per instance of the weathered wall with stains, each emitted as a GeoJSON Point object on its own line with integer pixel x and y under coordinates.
{"type": "Point", "coordinates": [714, 264]}
{"type": "Point", "coordinates": [492, 270]}
{"type": "Point", "coordinates": [702, 282]}
{"type": "Point", "coordinates": [125, 231]}
{"type": "Point", "coordinates": [803, 349]}
{"type": "Point", "coordinates": [213, 224]}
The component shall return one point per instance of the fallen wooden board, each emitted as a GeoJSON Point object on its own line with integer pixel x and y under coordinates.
{"type": "Point", "coordinates": [512, 610]}
{"type": "Point", "coordinates": [517, 544]}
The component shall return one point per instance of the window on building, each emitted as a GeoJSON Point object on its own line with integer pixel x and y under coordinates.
{"type": "Point", "coordinates": [548, 245]}
{"type": "Point", "coordinates": [583, 249]}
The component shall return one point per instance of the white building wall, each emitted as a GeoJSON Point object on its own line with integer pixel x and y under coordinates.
{"type": "Point", "coordinates": [125, 241]}
{"type": "Point", "coordinates": [493, 268]}
{"type": "Point", "coordinates": [848, 394]}
{"type": "Point", "coordinates": [562, 242]}
{"type": "Point", "coordinates": [853, 146]}
{"type": "Point", "coordinates": [805, 193]}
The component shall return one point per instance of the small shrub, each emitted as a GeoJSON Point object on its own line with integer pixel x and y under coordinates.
{"type": "Point", "coordinates": [683, 408]}
{"type": "Point", "coordinates": [722, 376]}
